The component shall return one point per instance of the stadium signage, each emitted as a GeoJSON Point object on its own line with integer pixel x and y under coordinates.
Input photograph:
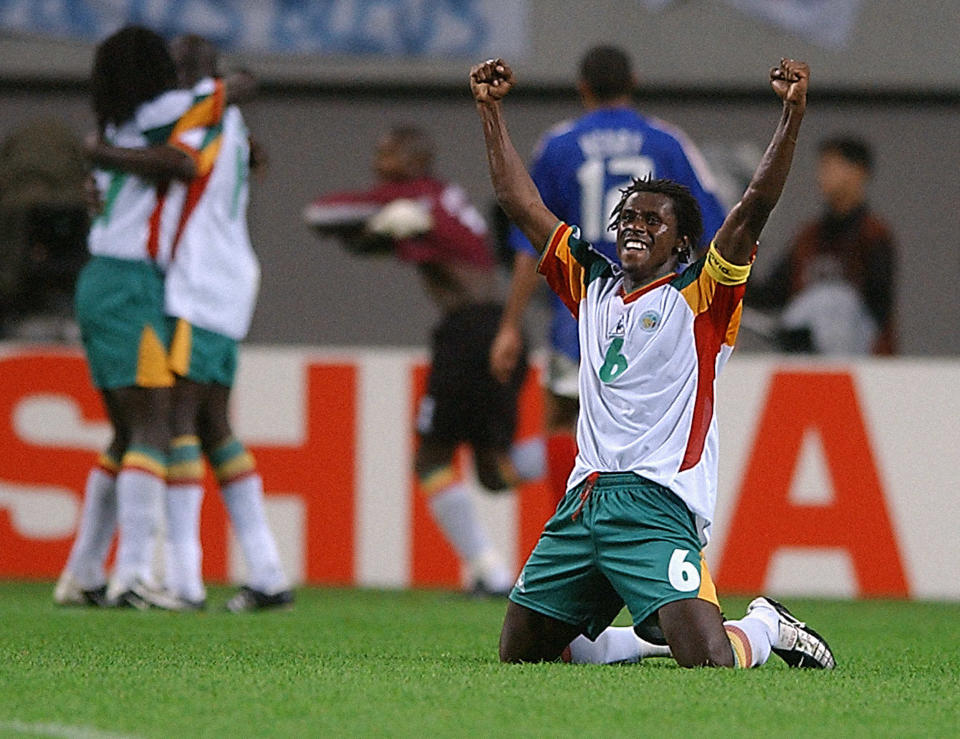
{"type": "Point", "coordinates": [396, 28]}
{"type": "Point", "coordinates": [821, 471]}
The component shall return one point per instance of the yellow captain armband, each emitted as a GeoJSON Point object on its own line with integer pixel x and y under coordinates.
{"type": "Point", "coordinates": [723, 271]}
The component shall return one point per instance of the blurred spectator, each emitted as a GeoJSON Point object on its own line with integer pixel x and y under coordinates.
{"type": "Point", "coordinates": [43, 229]}
{"type": "Point", "coordinates": [423, 220]}
{"type": "Point", "coordinates": [835, 286]}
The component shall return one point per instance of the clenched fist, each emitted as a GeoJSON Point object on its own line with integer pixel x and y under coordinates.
{"type": "Point", "coordinates": [491, 80]}
{"type": "Point", "coordinates": [789, 80]}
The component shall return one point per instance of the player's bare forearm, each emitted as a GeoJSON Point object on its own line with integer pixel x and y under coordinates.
{"type": "Point", "coordinates": [738, 235]}
{"type": "Point", "coordinates": [507, 345]}
{"type": "Point", "coordinates": [153, 163]}
{"type": "Point", "coordinates": [766, 186]}
{"type": "Point", "coordinates": [523, 282]}
{"type": "Point", "coordinates": [515, 191]}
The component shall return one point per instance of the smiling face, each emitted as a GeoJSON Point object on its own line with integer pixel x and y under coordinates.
{"type": "Point", "coordinates": [647, 237]}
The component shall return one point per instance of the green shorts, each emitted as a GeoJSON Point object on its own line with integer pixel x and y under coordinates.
{"type": "Point", "coordinates": [201, 355]}
{"type": "Point", "coordinates": [119, 309]}
{"type": "Point", "coordinates": [618, 540]}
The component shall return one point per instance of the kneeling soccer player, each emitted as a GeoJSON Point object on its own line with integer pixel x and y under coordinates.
{"type": "Point", "coordinates": [641, 497]}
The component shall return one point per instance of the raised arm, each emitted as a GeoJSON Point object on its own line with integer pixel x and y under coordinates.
{"type": "Point", "coordinates": [515, 191]}
{"type": "Point", "coordinates": [738, 235]}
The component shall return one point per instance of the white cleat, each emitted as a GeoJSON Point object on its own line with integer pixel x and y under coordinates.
{"type": "Point", "coordinates": [247, 599]}
{"type": "Point", "coordinates": [69, 592]}
{"type": "Point", "coordinates": [797, 644]}
{"type": "Point", "coordinates": [142, 597]}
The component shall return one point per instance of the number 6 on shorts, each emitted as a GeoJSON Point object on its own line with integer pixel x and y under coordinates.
{"type": "Point", "coordinates": [684, 576]}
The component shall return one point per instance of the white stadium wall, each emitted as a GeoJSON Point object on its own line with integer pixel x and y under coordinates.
{"type": "Point", "coordinates": [835, 479]}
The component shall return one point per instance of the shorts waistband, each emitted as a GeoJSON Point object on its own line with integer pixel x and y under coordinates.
{"type": "Point", "coordinates": [610, 479]}
{"type": "Point", "coordinates": [601, 480]}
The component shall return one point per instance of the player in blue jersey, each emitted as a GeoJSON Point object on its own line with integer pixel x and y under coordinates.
{"type": "Point", "coordinates": [580, 167]}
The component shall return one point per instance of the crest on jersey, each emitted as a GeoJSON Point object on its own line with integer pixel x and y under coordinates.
{"type": "Point", "coordinates": [649, 321]}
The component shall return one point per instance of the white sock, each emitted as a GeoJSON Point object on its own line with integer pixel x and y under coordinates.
{"type": "Point", "coordinates": [184, 555]}
{"type": "Point", "coordinates": [615, 644]}
{"type": "Point", "coordinates": [530, 458]}
{"type": "Point", "coordinates": [244, 501]}
{"type": "Point", "coordinates": [98, 521]}
{"type": "Point", "coordinates": [455, 514]}
{"type": "Point", "coordinates": [138, 501]}
{"type": "Point", "coordinates": [490, 570]}
{"type": "Point", "coordinates": [752, 636]}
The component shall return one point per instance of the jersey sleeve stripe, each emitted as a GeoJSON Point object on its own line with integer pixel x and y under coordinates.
{"type": "Point", "coordinates": [205, 156]}
{"type": "Point", "coordinates": [208, 156]}
{"type": "Point", "coordinates": [699, 293]}
{"type": "Point", "coordinates": [711, 329]}
{"type": "Point", "coordinates": [195, 190]}
{"type": "Point", "coordinates": [733, 328]}
{"type": "Point", "coordinates": [704, 293]}
{"type": "Point", "coordinates": [205, 160]}
{"type": "Point", "coordinates": [561, 230]}
{"type": "Point", "coordinates": [153, 225]}
{"type": "Point", "coordinates": [564, 274]}
{"type": "Point", "coordinates": [205, 112]}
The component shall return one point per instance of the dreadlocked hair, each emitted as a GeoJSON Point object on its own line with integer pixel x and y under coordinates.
{"type": "Point", "coordinates": [129, 68]}
{"type": "Point", "coordinates": [685, 207]}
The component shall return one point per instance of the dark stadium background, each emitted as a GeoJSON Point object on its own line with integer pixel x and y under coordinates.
{"type": "Point", "coordinates": [702, 65]}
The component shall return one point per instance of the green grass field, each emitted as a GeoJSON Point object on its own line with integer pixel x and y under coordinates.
{"type": "Point", "coordinates": [374, 663]}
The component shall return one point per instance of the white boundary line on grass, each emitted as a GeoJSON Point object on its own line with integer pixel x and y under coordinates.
{"type": "Point", "coordinates": [60, 730]}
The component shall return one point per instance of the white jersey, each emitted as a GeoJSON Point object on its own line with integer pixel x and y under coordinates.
{"type": "Point", "coordinates": [213, 277]}
{"type": "Point", "coordinates": [649, 361]}
{"type": "Point", "coordinates": [129, 224]}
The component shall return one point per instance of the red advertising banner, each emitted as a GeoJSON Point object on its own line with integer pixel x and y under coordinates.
{"type": "Point", "coordinates": [819, 473]}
